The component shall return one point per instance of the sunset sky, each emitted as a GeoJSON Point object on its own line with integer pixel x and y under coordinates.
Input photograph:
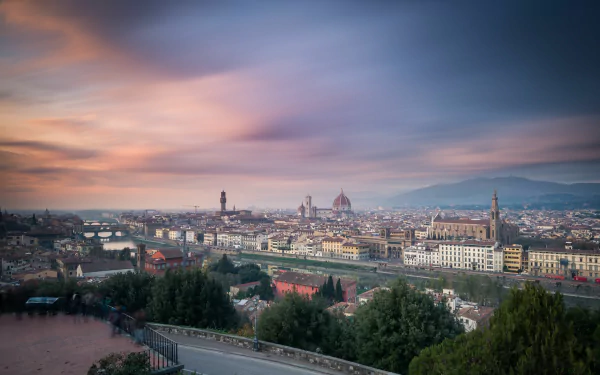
{"type": "Point", "coordinates": [160, 104]}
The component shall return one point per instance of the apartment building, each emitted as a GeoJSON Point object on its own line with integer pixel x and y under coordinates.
{"type": "Point", "coordinates": [422, 255]}
{"type": "Point", "coordinates": [513, 258]}
{"type": "Point", "coordinates": [279, 242]}
{"type": "Point", "coordinates": [332, 247]}
{"type": "Point", "coordinates": [253, 240]}
{"type": "Point", "coordinates": [472, 255]}
{"type": "Point", "coordinates": [355, 251]}
{"type": "Point", "coordinates": [421, 233]}
{"type": "Point", "coordinates": [175, 234]}
{"type": "Point", "coordinates": [190, 236]}
{"type": "Point", "coordinates": [565, 262]}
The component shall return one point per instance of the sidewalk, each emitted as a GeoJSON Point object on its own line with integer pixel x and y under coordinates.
{"type": "Point", "coordinates": [217, 346]}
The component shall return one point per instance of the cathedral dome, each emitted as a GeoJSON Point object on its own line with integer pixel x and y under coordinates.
{"type": "Point", "coordinates": [341, 203]}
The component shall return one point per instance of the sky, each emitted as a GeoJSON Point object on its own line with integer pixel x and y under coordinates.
{"type": "Point", "coordinates": [158, 104]}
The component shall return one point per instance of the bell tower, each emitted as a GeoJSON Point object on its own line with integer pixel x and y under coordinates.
{"type": "Point", "coordinates": [141, 257]}
{"type": "Point", "coordinates": [223, 201]}
{"type": "Point", "coordinates": [495, 224]}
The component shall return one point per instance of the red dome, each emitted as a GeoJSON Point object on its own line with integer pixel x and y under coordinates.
{"type": "Point", "coordinates": [341, 202]}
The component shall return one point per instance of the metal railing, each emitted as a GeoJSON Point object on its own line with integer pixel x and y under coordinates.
{"type": "Point", "coordinates": [162, 352]}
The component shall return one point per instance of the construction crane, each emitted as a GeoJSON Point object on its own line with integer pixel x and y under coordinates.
{"type": "Point", "coordinates": [195, 208]}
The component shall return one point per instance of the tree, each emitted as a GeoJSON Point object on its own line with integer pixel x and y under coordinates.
{"type": "Point", "coordinates": [33, 220]}
{"type": "Point", "coordinates": [531, 333]}
{"type": "Point", "coordinates": [191, 298]}
{"type": "Point", "coordinates": [339, 293]}
{"type": "Point", "coordinates": [132, 289]}
{"type": "Point", "coordinates": [225, 265]}
{"type": "Point", "coordinates": [330, 288]}
{"type": "Point", "coordinates": [264, 289]}
{"type": "Point", "coordinates": [295, 321]}
{"type": "Point", "coordinates": [398, 324]}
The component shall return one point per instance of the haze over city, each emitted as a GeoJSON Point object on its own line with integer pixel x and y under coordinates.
{"type": "Point", "coordinates": [110, 104]}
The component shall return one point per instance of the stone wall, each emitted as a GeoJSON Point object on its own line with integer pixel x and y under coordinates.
{"type": "Point", "coordinates": [345, 367]}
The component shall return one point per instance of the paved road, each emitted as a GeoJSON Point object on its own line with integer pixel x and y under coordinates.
{"type": "Point", "coordinates": [211, 362]}
{"type": "Point", "coordinates": [215, 358]}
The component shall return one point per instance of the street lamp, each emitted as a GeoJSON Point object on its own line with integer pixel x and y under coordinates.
{"type": "Point", "coordinates": [255, 346]}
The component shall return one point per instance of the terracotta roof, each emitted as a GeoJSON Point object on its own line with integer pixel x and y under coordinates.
{"type": "Point", "coordinates": [341, 201]}
{"type": "Point", "coordinates": [170, 253]}
{"type": "Point", "coordinates": [479, 315]}
{"type": "Point", "coordinates": [466, 221]}
{"type": "Point", "coordinates": [309, 279]}
{"type": "Point", "coordinates": [348, 308]}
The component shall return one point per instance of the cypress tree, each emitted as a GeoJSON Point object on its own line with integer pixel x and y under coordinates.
{"type": "Point", "coordinates": [330, 288]}
{"type": "Point", "coordinates": [339, 293]}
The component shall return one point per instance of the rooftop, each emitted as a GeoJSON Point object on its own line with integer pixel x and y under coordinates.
{"type": "Point", "coordinates": [55, 345]}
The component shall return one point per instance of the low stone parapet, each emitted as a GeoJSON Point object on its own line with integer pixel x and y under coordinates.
{"type": "Point", "coordinates": [341, 365]}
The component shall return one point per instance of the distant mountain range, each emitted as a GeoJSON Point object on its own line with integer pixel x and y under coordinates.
{"type": "Point", "coordinates": [513, 191]}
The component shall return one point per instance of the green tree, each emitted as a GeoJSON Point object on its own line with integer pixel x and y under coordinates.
{"type": "Point", "coordinates": [193, 299]}
{"type": "Point", "coordinates": [225, 265]}
{"type": "Point", "coordinates": [398, 324]}
{"type": "Point", "coordinates": [529, 334]}
{"type": "Point", "coordinates": [339, 293]}
{"type": "Point", "coordinates": [264, 289]}
{"type": "Point", "coordinates": [330, 292]}
{"type": "Point", "coordinates": [132, 289]}
{"type": "Point", "coordinates": [295, 321]}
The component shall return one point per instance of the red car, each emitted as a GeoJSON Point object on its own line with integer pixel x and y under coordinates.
{"type": "Point", "coordinates": [579, 278]}
{"type": "Point", "coordinates": [597, 281]}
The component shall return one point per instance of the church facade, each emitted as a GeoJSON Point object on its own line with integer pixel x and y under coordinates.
{"type": "Point", "coordinates": [494, 229]}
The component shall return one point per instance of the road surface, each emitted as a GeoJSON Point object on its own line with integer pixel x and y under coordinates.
{"type": "Point", "coordinates": [215, 362]}
{"type": "Point", "coordinates": [211, 357]}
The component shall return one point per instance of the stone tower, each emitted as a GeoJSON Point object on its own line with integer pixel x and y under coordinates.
{"type": "Point", "coordinates": [141, 257]}
{"type": "Point", "coordinates": [495, 223]}
{"type": "Point", "coordinates": [223, 201]}
{"type": "Point", "coordinates": [308, 205]}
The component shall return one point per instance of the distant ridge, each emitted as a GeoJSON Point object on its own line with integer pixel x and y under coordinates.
{"type": "Point", "coordinates": [511, 191]}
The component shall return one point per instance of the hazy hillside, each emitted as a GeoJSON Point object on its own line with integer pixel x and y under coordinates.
{"type": "Point", "coordinates": [511, 190]}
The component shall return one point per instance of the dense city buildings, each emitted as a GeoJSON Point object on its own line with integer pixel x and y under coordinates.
{"type": "Point", "coordinates": [472, 255]}
{"type": "Point", "coordinates": [564, 262]}
{"type": "Point", "coordinates": [494, 229]}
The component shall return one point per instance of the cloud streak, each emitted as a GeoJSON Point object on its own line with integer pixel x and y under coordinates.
{"type": "Point", "coordinates": [128, 103]}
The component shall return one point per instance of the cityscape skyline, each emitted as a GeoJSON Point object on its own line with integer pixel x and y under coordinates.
{"type": "Point", "coordinates": [116, 105]}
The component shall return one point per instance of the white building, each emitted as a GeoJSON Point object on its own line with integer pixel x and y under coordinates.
{"type": "Point", "coordinates": [472, 255]}
{"type": "Point", "coordinates": [191, 236]}
{"type": "Point", "coordinates": [223, 239]}
{"type": "Point", "coordinates": [253, 240]}
{"type": "Point", "coordinates": [473, 317]}
{"type": "Point", "coordinates": [421, 255]}
{"type": "Point", "coordinates": [175, 234]}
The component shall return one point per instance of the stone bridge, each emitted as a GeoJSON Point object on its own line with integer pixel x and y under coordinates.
{"type": "Point", "coordinates": [104, 231]}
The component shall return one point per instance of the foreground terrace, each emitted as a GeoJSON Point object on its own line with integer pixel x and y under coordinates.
{"type": "Point", "coordinates": [57, 344]}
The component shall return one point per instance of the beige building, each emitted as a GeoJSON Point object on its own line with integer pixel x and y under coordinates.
{"type": "Point", "coordinates": [495, 229]}
{"type": "Point", "coordinates": [388, 244]}
{"type": "Point", "coordinates": [332, 247]}
{"type": "Point", "coordinates": [279, 242]}
{"type": "Point", "coordinates": [564, 262]}
{"type": "Point", "coordinates": [514, 258]}
{"type": "Point", "coordinates": [355, 251]}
